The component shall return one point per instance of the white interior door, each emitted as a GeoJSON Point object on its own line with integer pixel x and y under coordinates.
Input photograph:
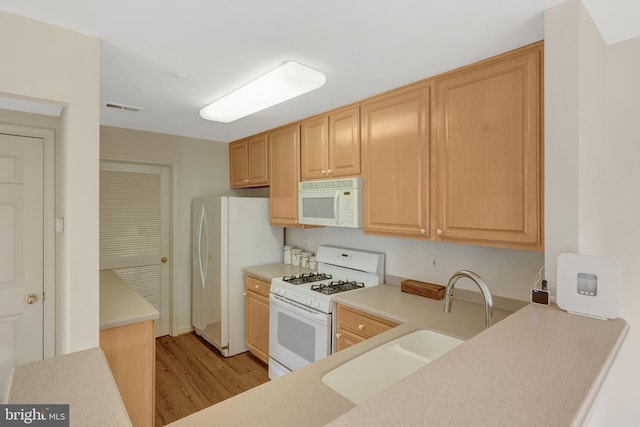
{"type": "Point", "coordinates": [21, 252]}
{"type": "Point", "coordinates": [134, 230]}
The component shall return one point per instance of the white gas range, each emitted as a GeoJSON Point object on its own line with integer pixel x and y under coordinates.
{"type": "Point", "coordinates": [301, 307]}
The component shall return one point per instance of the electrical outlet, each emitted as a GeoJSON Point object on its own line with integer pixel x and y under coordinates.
{"type": "Point", "coordinates": [434, 263]}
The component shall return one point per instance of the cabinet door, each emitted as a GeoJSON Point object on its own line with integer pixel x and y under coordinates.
{"type": "Point", "coordinates": [131, 353]}
{"type": "Point", "coordinates": [345, 339]}
{"type": "Point", "coordinates": [314, 146]}
{"type": "Point", "coordinates": [258, 155]}
{"type": "Point", "coordinates": [395, 154]}
{"type": "Point", "coordinates": [284, 155]}
{"type": "Point", "coordinates": [489, 152]}
{"type": "Point", "coordinates": [238, 164]}
{"type": "Point", "coordinates": [257, 325]}
{"type": "Point", "coordinates": [344, 143]}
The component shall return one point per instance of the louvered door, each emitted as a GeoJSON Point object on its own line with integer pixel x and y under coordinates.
{"type": "Point", "coordinates": [134, 230]}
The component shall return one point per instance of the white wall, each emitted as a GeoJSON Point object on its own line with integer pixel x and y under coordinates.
{"type": "Point", "coordinates": [508, 273]}
{"type": "Point", "coordinates": [202, 168]}
{"type": "Point", "coordinates": [592, 199]}
{"type": "Point", "coordinates": [50, 64]}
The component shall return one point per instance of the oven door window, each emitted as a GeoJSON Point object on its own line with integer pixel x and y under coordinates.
{"type": "Point", "coordinates": [297, 337]}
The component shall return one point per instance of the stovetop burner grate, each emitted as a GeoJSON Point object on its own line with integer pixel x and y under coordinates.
{"type": "Point", "coordinates": [335, 287]}
{"type": "Point", "coordinates": [306, 278]}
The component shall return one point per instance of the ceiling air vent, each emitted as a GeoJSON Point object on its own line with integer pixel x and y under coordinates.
{"type": "Point", "coordinates": [122, 106]}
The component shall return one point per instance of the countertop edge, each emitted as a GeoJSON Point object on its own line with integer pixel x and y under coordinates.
{"type": "Point", "coordinates": [592, 394]}
{"type": "Point", "coordinates": [128, 321]}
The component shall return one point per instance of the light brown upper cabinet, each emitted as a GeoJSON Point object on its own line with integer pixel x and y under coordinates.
{"type": "Point", "coordinates": [395, 159]}
{"type": "Point", "coordinates": [249, 162]}
{"type": "Point", "coordinates": [284, 152]}
{"type": "Point", "coordinates": [488, 152]}
{"type": "Point", "coordinates": [330, 145]}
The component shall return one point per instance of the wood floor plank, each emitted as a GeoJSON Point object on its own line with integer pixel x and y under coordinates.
{"type": "Point", "coordinates": [192, 375]}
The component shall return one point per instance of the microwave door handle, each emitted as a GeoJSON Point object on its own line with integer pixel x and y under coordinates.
{"type": "Point", "coordinates": [336, 210]}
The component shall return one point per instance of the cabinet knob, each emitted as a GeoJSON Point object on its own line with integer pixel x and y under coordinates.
{"type": "Point", "coordinates": [361, 326]}
{"type": "Point", "coordinates": [439, 231]}
{"type": "Point", "coordinates": [423, 231]}
{"type": "Point", "coordinates": [257, 286]}
{"type": "Point", "coordinates": [329, 172]}
{"type": "Point", "coordinates": [244, 294]}
{"type": "Point", "coordinates": [338, 335]}
{"type": "Point", "coordinates": [324, 172]}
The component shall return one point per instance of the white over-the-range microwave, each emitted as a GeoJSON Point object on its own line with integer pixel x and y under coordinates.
{"type": "Point", "coordinates": [332, 203]}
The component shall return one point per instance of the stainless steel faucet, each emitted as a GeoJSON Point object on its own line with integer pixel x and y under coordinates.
{"type": "Point", "coordinates": [488, 299]}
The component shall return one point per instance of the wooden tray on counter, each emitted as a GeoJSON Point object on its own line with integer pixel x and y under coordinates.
{"type": "Point", "coordinates": [423, 289]}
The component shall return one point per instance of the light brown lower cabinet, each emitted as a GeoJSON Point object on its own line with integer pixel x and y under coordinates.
{"type": "Point", "coordinates": [257, 317]}
{"type": "Point", "coordinates": [354, 326]}
{"type": "Point", "coordinates": [131, 353]}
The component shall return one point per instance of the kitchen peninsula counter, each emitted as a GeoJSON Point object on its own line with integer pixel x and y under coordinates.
{"type": "Point", "coordinates": [491, 379]}
{"type": "Point", "coordinates": [127, 338]}
{"type": "Point", "coordinates": [120, 305]}
{"type": "Point", "coordinates": [82, 380]}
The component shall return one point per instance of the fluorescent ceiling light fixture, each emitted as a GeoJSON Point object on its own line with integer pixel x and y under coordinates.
{"type": "Point", "coordinates": [285, 82]}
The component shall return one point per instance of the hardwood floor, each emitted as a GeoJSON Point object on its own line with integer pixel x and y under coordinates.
{"type": "Point", "coordinates": [191, 375]}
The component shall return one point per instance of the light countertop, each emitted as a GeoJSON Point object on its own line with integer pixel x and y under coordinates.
{"type": "Point", "coordinates": [82, 380]}
{"type": "Point", "coordinates": [267, 272]}
{"type": "Point", "coordinates": [120, 305]}
{"type": "Point", "coordinates": [537, 357]}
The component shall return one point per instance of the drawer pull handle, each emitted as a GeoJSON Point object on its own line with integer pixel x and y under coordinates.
{"type": "Point", "coordinates": [361, 326]}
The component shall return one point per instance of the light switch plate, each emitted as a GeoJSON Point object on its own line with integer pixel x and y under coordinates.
{"type": "Point", "coordinates": [589, 285]}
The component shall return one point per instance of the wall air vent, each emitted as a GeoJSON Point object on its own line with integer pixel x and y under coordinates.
{"type": "Point", "coordinates": [122, 106]}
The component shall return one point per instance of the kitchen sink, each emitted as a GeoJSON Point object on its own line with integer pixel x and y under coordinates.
{"type": "Point", "coordinates": [371, 372]}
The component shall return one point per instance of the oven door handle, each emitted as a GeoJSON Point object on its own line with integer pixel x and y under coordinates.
{"type": "Point", "coordinates": [292, 305]}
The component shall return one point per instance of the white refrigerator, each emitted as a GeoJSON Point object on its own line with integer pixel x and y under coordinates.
{"type": "Point", "coordinates": [228, 234]}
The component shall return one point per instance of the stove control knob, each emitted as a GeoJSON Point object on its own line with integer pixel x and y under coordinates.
{"type": "Point", "coordinates": [309, 300]}
{"type": "Point", "coordinates": [316, 303]}
{"type": "Point", "coordinates": [276, 289]}
{"type": "Point", "coordinates": [282, 291]}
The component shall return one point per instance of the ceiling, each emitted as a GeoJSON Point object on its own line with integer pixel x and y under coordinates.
{"type": "Point", "coordinates": [171, 58]}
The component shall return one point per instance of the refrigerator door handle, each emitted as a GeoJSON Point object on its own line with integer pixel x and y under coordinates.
{"type": "Point", "coordinates": [203, 227]}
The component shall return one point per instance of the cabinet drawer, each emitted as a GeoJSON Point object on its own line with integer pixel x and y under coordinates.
{"type": "Point", "coordinates": [362, 323]}
{"type": "Point", "coordinates": [258, 286]}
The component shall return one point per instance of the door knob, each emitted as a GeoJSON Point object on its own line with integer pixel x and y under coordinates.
{"type": "Point", "coordinates": [31, 298]}
{"type": "Point", "coordinates": [164, 259]}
